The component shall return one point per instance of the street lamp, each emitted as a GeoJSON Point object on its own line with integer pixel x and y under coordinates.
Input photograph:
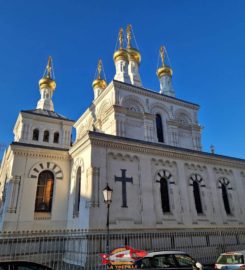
{"type": "Point", "coordinates": [107, 193]}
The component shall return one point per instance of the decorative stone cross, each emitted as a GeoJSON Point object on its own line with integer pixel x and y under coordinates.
{"type": "Point", "coordinates": [124, 180]}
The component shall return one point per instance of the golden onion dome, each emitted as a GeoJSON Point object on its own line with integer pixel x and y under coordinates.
{"type": "Point", "coordinates": [120, 54]}
{"type": "Point", "coordinates": [47, 82]}
{"type": "Point", "coordinates": [99, 83]}
{"type": "Point", "coordinates": [164, 70]}
{"type": "Point", "coordinates": [134, 55]}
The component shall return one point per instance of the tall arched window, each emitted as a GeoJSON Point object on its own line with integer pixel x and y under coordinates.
{"type": "Point", "coordinates": [226, 200]}
{"type": "Point", "coordinates": [164, 195]}
{"type": "Point", "coordinates": [197, 197]}
{"type": "Point", "coordinates": [196, 181]}
{"type": "Point", "coordinates": [162, 177]}
{"type": "Point", "coordinates": [159, 128]}
{"type": "Point", "coordinates": [77, 193]}
{"type": "Point", "coordinates": [224, 185]}
{"type": "Point", "coordinates": [44, 194]}
{"type": "Point", "coordinates": [35, 134]}
{"type": "Point", "coordinates": [56, 137]}
{"type": "Point", "coordinates": [46, 136]}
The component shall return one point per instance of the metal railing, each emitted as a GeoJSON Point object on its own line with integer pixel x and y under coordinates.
{"type": "Point", "coordinates": [81, 249]}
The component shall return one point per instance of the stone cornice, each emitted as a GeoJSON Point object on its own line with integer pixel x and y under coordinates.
{"type": "Point", "coordinates": [172, 152]}
{"type": "Point", "coordinates": [22, 150]}
{"type": "Point", "coordinates": [149, 93]}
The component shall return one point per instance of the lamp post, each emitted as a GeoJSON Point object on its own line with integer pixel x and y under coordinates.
{"type": "Point", "coordinates": [107, 193]}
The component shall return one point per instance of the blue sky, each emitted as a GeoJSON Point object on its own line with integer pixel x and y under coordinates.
{"type": "Point", "coordinates": [205, 41]}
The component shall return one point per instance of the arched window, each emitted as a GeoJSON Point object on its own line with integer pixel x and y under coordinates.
{"type": "Point", "coordinates": [35, 134]}
{"type": "Point", "coordinates": [56, 137]}
{"type": "Point", "coordinates": [197, 197]}
{"type": "Point", "coordinates": [162, 177]}
{"type": "Point", "coordinates": [196, 181]}
{"type": "Point", "coordinates": [77, 193]}
{"type": "Point", "coordinates": [46, 136]}
{"type": "Point", "coordinates": [159, 128]}
{"type": "Point", "coordinates": [224, 185]}
{"type": "Point", "coordinates": [44, 194]}
{"type": "Point", "coordinates": [164, 195]}
{"type": "Point", "coordinates": [226, 200]}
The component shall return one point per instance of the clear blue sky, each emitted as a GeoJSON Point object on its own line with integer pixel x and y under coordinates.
{"type": "Point", "coordinates": [205, 41]}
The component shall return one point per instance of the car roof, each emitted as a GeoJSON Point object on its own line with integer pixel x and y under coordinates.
{"type": "Point", "coordinates": [237, 252]}
{"type": "Point", "coordinates": [152, 254]}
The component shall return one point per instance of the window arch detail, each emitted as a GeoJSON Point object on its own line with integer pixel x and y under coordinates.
{"type": "Point", "coordinates": [224, 185]}
{"type": "Point", "coordinates": [50, 166]}
{"type": "Point", "coordinates": [44, 193]}
{"type": "Point", "coordinates": [196, 182]}
{"type": "Point", "coordinates": [159, 128]}
{"type": "Point", "coordinates": [163, 177]}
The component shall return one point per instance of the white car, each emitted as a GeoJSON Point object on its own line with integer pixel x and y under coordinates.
{"type": "Point", "coordinates": [230, 260]}
{"type": "Point", "coordinates": [174, 260]}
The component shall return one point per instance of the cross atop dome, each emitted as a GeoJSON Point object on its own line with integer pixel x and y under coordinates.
{"type": "Point", "coordinates": [99, 84]}
{"type": "Point", "coordinates": [164, 73]}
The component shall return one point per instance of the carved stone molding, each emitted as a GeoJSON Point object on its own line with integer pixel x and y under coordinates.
{"type": "Point", "coordinates": [43, 166]}
{"type": "Point", "coordinates": [223, 171]}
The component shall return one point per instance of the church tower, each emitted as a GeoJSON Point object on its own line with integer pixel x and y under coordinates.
{"type": "Point", "coordinates": [43, 126]}
{"type": "Point", "coordinates": [34, 188]}
{"type": "Point", "coordinates": [164, 74]}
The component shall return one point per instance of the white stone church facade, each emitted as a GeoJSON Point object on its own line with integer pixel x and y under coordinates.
{"type": "Point", "coordinates": [145, 144]}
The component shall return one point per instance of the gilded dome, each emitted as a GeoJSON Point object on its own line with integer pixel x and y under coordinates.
{"type": "Point", "coordinates": [47, 82]}
{"type": "Point", "coordinates": [120, 54]}
{"type": "Point", "coordinates": [134, 55]}
{"type": "Point", "coordinates": [99, 83]}
{"type": "Point", "coordinates": [164, 70]}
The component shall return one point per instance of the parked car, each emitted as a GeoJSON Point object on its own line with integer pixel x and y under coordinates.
{"type": "Point", "coordinates": [230, 260]}
{"type": "Point", "coordinates": [22, 265]}
{"type": "Point", "coordinates": [174, 260]}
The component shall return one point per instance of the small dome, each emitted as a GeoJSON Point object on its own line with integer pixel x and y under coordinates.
{"type": "Point", "coordinates": [134, 55]}
{"type": "Point", "coordinates": [164, 70]}
{"type": "Point", "coordinates": [99, 83]}
{"type": "Point", "coordinates": [120, 54]}
{"type": "Point", "coordinates": [47, 82]}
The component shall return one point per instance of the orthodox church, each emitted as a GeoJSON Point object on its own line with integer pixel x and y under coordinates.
{"type": "Point", "coordinates": [145, 144]}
